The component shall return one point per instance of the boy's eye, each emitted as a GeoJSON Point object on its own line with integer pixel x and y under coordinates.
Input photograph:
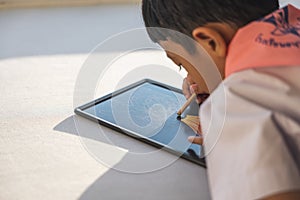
{"type": "Point", "coordinates": [180, 67]}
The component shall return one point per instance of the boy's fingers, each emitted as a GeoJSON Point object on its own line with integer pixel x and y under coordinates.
{"type": "Point", "coordinates": [199, 132]}
{"type": "Point", "coordinates": [202, 97]}
{"type": "Point", "coordinates": [198, 100]}
{"type": "Point", "coordinates": [195, 140]}
{"type": "Point", "coordinates": [186, 88]}
{"type": "Point", "coordinates": [194, 88]}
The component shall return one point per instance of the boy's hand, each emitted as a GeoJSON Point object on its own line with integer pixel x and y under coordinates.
{"type": "Point", "coordinates": [197, 139]}
{"type": "Point", "coordinates": [189, 87]}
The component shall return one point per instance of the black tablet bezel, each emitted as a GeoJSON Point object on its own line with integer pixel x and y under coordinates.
{"type": "Point", "coordinates": [80, 111]}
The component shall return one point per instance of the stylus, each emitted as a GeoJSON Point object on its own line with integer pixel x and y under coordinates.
{"type": "Point", "coordinates": [187, 103]}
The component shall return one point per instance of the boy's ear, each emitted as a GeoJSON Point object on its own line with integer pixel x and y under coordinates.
{"type": "Point", "coordinates": [211, 40]}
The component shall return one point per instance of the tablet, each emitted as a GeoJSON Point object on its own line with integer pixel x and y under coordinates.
{"type": "Point", "coordinates": [146, 111]}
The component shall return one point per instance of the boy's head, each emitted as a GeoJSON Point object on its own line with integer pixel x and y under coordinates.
{"type": "Point", "coordinates": [211, 23]}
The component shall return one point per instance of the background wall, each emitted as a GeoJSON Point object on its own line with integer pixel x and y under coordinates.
{"type": "Point", "coordinates": [43, 3]}
{"type": "Point", "coordinates": [63, 30]}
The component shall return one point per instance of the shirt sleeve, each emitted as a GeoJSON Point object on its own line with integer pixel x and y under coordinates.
{"type": "Point", "coordinates": [251, 145]}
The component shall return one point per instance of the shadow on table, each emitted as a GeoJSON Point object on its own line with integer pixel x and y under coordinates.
{"type": "Point", "coordinates": [67, 126]}
{"type": "Point", "coordinates": [180, 179]}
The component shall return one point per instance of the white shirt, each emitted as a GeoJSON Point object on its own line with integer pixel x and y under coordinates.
{"type": "Point", "coordinates": [255, 151]}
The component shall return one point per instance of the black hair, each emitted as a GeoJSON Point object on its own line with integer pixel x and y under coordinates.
{"type": "Point", "coordinates": [185, 15]}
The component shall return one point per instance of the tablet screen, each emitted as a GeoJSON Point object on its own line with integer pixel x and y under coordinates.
{"type": "Point", "coordinates": [146, 110]}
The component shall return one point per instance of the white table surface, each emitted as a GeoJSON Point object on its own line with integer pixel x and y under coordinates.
{"type": "Point", "coordinates": [41, 154]}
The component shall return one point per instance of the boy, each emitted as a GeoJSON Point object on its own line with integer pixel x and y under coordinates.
{"type": "Point", "coordinates": [256, 49]}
